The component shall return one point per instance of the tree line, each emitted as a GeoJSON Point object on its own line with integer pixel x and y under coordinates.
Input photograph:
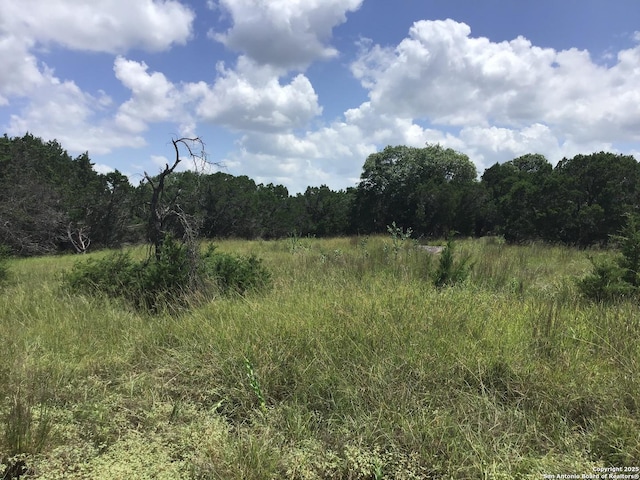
{"type": "Point", "coordinates": [51, 202]}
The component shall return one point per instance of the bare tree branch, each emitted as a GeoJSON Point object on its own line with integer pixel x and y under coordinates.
{"type": "Point", "coordinates": [161, 208]}
{"type": "Point", "coordinates": [79, 238]}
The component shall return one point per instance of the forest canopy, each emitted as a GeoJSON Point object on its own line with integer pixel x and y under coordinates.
{"type": "Point", "coordinates": [51, 202]}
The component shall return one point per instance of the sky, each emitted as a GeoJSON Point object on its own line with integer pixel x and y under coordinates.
{"type": "Point", "coordinates": [300, 92]}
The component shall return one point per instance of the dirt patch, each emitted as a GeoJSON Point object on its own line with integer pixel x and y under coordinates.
{"type": "Point", "coordinates": [433, 249]}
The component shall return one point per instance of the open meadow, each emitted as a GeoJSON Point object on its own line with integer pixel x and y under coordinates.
{"type": "Point", "coordinates": [352, 366]}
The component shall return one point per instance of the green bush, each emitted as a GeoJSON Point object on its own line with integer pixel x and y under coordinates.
{"type": "Point", "coordinates": [171, 281]}
{"type": "Point", "coordinates": [606, 282]}
{"type": "Point", "coordinates": [629, 240]}
{"type": "Point", "coordinates": [618, 278]}
{"type": "Point", "coordinates": [235, 274]}
{"type": "Point", "coordinates": [114, 275]}
{"type": "Point", "coordinates": [451, 272]}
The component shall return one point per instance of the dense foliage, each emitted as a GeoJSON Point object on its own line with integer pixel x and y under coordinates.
{"type": "Point", "coordinates": [51, 202]}
{"type": "Point", "coordinates": [618, 278]}
{"type": "Point", "coordinates": [170, 282]}
{"type": "Point", "coordinates": [431, 189]}
{"type": "Point", "coordinates": [581, 201]}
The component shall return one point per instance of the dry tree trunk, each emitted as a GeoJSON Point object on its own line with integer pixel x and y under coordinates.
{"type": "Point", "coordinates": [160, 208]}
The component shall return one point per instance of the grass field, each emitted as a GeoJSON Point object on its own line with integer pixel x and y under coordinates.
{"type": "Point", "coordinates": [353, 366]}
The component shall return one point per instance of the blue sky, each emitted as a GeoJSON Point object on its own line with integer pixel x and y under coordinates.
{"type": "Point", "coordinates": [299, 92]}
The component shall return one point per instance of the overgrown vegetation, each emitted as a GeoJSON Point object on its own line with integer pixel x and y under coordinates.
{"type": "Point", "coordinates": [358, 363]}
{"type": "Point", "coordinates": [169, 282]}
{"type": "Point", "coordinates": [174, 274]}
{"type": "Point", "coordinates": [234, 274]}
{"type": "Point", "coordinates": [616, 278]}
{"type": "Point", "coordinates": [398, 237]}
{"type": "Point", "coordinates": [353, 365]}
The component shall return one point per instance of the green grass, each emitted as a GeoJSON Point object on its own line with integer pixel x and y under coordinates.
{"type": "Point", "coordinates": [354, 366]}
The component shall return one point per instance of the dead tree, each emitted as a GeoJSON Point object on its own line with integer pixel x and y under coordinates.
{"type": "Point", "coordinates": [161, 208]}
{"type": "Point", "coordinates": [79, 238]}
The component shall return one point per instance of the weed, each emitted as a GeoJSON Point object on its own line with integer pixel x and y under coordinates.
{"type": "Point", "coordinates": [545, 333]}
{"type": "Point", "coordinates": [616, 441]}
{"type": "Point", "coordinates": [27, 426]}
{"type": "Point", "coordinates": [254, 383]}
{"type": "Point", "coordinates": [296, 244]}
{"type": "Point", "coordinates": [398, 237]}
{"type": "Point", "coordinates": [362, 246]}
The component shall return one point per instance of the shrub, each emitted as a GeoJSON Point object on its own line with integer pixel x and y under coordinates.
{"type": "Point", "coordinates": [114, 275]}
{"type": "Point", "coordinates": [618, 278]}
{"type": "Point", "coordinates": [170, 281]}
{"type": "Point", "coordinates": [451, 272]}
{"type": "Point", "coordinates": [235, 274]}
{"type": "Point", "coordinates": [629, 240]}
{"type": "Point", "coordinates": [606, 282]}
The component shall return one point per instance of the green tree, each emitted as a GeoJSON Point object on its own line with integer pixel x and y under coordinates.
{"type": "Point", "coordinates": [598, 191]}
{"type": "Point", "coordinates": [616, 279]}
{"type": "Point", "coordinates": [629, 240]}
{"type": "Point", "coordinates": [276, 215]}
{"type": "Point", "coordinates": [113, 219]}
{"type": "Point", "coordinates": [423, 187]}
{"type": "Point", "coordinates": [48, 201]}
{"type": "Point", "coordinates": [229, 205]}
{"type": "Point", "coordinates": [31, 220]}
{"type": "Point", "coordinates": [327, 211]}
{"type": "Point", "coordinates": [517, 190]}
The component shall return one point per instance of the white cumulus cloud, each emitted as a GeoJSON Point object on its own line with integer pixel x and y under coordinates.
{"type": "Point", "coordinates": [20, 73]}
{"type": "Point", "coordinates": [51, 107]}
{"type": "Point", "coordinates": [494, 100]}
{"type": "Point", "coordinates": [251, 97]}
{"type": "Point", "coordinates": [491, 100]}
{"type": "Point", "coordinates": [63, 111]}
{"type": "Point", "coordinates": [284, 33]}
{"type": "Point", "coordinates": [444, 75]}
{"type": "Point", "coordinates": [153, 97]}
{"type": "Point", "coordinates": [107, 26]}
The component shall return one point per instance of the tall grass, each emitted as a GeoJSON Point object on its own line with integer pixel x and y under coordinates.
{"type": "Point", "coordinates": [353, 366]}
